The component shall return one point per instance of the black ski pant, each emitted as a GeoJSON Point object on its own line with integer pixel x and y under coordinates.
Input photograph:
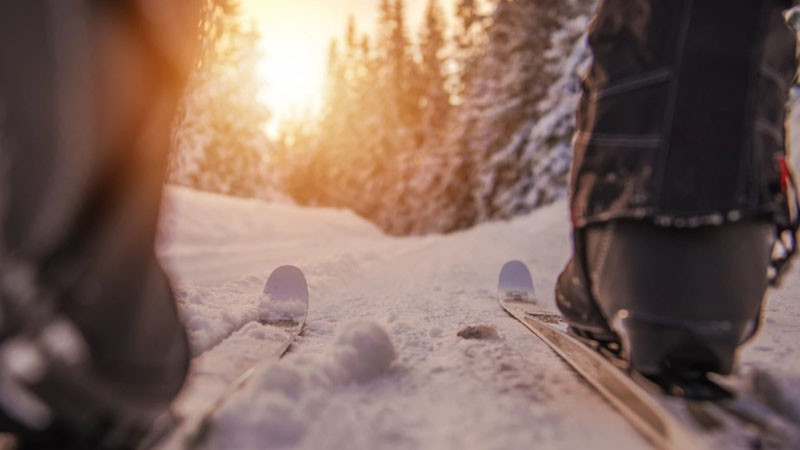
{"type": "Point", "coordinates": [87, 95]}
{"type": "Point", "coordinates": [681, 120]}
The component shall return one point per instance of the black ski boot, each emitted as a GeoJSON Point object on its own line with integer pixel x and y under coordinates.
{"type": "Point", "coordinates": [679, 301]}
{"type": "Point", "coordinates": [92, 349]}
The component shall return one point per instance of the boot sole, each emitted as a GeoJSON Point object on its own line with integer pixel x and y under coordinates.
{"type": "Point", "coordinates": [657, 345]}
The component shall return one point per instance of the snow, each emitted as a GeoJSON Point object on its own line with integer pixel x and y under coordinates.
{"type": "Point", "coordinates": [276, 407]}
{"type": "Point", "coordinates": [380, 364]}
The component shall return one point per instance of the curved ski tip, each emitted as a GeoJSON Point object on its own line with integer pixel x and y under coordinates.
{"type": "Point", "coordinates": [287, 281]}
{"type": "Point", "coordinates": [515, 275]}
{"type": "Point", "coordinates": [514, 265]}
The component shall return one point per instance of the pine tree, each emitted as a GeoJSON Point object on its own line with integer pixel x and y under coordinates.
{"type": "Point", "coordinates": [399, 146]}
{"type": "Point", "coordinates": [504, 102]}
{"type": "Point", "coordinates": [386, 76]}
{"type": "Point", "coordinates": [402, 65]}
{"type": "Point", "coordinates": [219, 134]}
{"type": "Point", "coordinates": [435, 100]}
{"type": "Point", "coordinates": [469, 39]}
{"type": "Point", "coordinates": [332, 144]}
{"type": "Point", "coordinates": [397, 66]}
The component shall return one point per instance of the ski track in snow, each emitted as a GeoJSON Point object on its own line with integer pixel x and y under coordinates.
{"type": "Point", "coordinates": [380, 364]}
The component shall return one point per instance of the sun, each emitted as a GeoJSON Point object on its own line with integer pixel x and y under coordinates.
{"type": "Point", "coordinates": [295, 35]}
{"type": "Point", "coordinates": [293, 48]}
{"type": "Point", "coordinates": [292, 81]}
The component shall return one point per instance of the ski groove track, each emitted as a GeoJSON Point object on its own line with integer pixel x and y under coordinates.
{"type": "Point", "coordinates": [222, 370]}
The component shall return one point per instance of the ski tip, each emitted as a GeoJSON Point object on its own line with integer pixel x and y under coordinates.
{"type": "Point", "coordinates": [515, 273]}
{"type": "Point", "coordinates": [515, 282]}
{"type": "Point", "coordinates": [285, 299]}
{"type": "Point", "coordinates": [287, 270]}
{"type": "Point", "coordinates": [287, 281]}
{"type": "Point", "coordinates": [514, 265]}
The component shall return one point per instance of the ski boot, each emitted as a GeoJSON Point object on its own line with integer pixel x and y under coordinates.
{"type": "Point", "coordinates": [678, 301]}
{"type": "Point", "coordinates": [92, 350]}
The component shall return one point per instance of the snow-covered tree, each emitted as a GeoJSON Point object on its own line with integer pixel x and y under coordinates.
{"type": "Point", "coordinates": [469, 40]}
{"type": "Point", "coordinates": [503, 105]}
{"type": "Point", "coordinates": [451, 131]}
{"type": "Point", "coordinates": [219, 137]}
{"type": "Point", "coordinates": [435, 99]}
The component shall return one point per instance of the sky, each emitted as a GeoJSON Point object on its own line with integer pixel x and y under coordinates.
{"type": "Point", "coordinates": [295, 37]}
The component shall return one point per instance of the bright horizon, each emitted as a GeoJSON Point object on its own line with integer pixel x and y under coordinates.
{"type": "Point", "coordinates": [294, 42]}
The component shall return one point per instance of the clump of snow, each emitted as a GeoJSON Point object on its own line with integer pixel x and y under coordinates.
{"type": "Point", "coordinates": [272, 411]}
{"type": "Point", "coordinates": [362, 351]}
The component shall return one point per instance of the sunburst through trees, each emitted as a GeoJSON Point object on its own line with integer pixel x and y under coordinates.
{"type": "Point", "coordinates": [466, 119]}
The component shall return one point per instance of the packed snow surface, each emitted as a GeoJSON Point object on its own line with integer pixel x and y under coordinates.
{"type": "Point", "coordinates": [381, 363]}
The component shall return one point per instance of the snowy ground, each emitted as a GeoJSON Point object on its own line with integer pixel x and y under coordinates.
{"type": "Point", "coordinates": [380, 364]}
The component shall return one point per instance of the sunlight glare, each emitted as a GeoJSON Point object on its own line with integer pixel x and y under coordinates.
{"type": "Point", "coordinates": [293, 81]}
{"type": "Point", "coordinates": [294, 42]}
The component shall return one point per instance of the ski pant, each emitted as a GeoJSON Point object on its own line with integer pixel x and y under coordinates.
{"type": "Point", "coordinates": [88, 91]}
{"type": "Point", "coordinates": [680, 194]}
{"type": "Point", "coordinates": [681, 119]}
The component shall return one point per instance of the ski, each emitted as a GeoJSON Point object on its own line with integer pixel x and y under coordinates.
{"type": "Point", "coordinates": [665, 421]}
{"type": "Point", "coordinates": [284, 310]}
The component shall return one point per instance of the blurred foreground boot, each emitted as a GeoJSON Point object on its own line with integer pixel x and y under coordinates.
{"type": "Point", "coordinates": [680, 301]}
{"type": "Point", "coordinates": [92, 350]}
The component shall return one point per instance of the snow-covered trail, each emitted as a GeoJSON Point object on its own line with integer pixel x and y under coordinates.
{"type": "Point", "coordinates": [441, 391]}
